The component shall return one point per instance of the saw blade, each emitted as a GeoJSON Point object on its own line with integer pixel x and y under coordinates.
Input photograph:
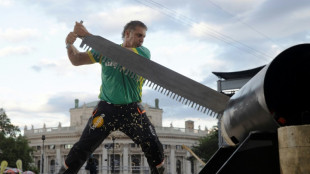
{"type": "Point", "coordinates": [160, 78]}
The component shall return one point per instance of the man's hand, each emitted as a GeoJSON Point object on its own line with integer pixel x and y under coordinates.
{"type": "Point", "coordinates": [80, 30]}
{"type": "Point", "coordinates": [71, 38]}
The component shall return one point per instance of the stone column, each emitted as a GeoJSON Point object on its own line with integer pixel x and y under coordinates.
{"type": "Point", "coordinates": [172, 159]}
{"type": "Point", "coordinates": [104, 161]}
{"type": "Point", "coordinates": [187, 163]}
{"type": "Point", "coordinates": [46, 163]}
{"type": "Point", "coordinates": [125, 159]}
{"type": "Point", "coordinates": [145, 164]}
{"type": "Point", "coordinates": [58, 161]}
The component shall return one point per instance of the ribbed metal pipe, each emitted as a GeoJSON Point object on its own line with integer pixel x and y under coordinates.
{"type": "Point", "coordinates": [280, 89]}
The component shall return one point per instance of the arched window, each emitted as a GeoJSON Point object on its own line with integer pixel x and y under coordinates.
{"type": "Point", "coordinates": [136, 163]}
{"type": "Point", "coordinates": [52, 166]}
{"type": "Point", "coordinates": [39, 165]}
{"type": "Point", "coordinates": [178, 167]}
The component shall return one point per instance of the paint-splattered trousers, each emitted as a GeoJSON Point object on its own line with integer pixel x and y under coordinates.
{"type": "Point", "coordinates": [130, 119]}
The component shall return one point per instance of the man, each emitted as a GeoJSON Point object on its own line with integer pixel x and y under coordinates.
{"type": "Point", "coordinates": [119, 107]}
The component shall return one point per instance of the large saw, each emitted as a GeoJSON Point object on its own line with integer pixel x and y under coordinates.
{"type": "Point", "coordinates": [160, 78]}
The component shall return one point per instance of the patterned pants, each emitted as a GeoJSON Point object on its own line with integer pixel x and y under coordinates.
{"type": "Point", "coordinates": [130, 119]}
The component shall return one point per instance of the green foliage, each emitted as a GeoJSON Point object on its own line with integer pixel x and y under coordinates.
{"type": "Point", "coordinates": [6, 127]}
{"type": "Point", "coordinates": [207, 145]}
{"type": "Point", "coordinates": [33, 169]}
{"type": "Point", "coordinates": [13, 147]}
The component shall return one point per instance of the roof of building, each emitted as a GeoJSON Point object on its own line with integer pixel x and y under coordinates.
{"type": "Point", "coordinates": [238, 74]}
{"type": "Point", "coordinates": [92, 104]}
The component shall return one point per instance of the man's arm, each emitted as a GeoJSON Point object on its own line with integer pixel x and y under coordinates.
{"type": "Point", "coordinates": [77, 58]}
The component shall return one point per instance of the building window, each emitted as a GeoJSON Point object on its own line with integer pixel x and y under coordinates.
{"type": "Point", "coordinates": [178, 147]}
{"type": "Point", "coordinates": [167, 162]}
{"type": "Point", "coordinates": [38, 147]}
{"type": "Point", "coordinates": [39, 165]}
{"type": "Point", "coordinates": [133, 145]}
{"type": "Point", "coordinates": [135, 163]}
{"type": "Point", "coordinates": [117, 145]}
{"type": "Point", "coordinates": [68, 146]}
{"type": "Point", "coordinates": [51, 147]}
{"type": "Point", "coordinates": [192, 167]}
{"type": "Point", "coordinates": [178, 167]}
{"type": "Point", "coordinates": [116, 163]}
{"type": "Point", "coordinates": [52, 167]}
{"type": "Point", "coordinates": [166, 146]}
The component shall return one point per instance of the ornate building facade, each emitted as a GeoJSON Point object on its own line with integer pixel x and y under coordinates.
{"type": "Point", "coordinates": [128, 157]}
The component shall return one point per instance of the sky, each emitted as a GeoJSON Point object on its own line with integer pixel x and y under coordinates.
{"type": "Point", "coordinates": [38, 84]}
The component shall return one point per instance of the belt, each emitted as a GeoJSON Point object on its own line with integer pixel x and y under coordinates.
{"type": "Point", "coordinates": [118, 105]}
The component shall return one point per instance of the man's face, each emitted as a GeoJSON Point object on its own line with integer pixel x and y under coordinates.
{"type": "Point", "coordinates": [135, 38]}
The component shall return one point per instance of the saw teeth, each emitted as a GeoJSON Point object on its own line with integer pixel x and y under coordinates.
{"type": "Point", "coordinates": [165, 92]}
{"type": "Point", "coordinates": [208, 111]}
{"type": "Point", "coordinates": [186, 102]}
{"type": "Point", "coordinates": [162, 90]}
{"type": "Point", "coordinates": [159, 88]}
{"type": "Point", "coordinates": [168, 93]}
{"type": "Point", "coordinates": [204, 110]}
{"type": "Point", "coordinates": [192, 103]}
{"type": "Point", "coordinates": [147, 82]}
{"type": "Point", "coordinates": [180, 99]}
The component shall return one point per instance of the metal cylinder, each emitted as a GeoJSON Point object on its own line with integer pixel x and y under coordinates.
{"type": "Point", "coordinates": [277, 95]}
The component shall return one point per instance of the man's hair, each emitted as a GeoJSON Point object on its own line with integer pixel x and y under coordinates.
{"type": "Point", "coordinates": [132, 25]}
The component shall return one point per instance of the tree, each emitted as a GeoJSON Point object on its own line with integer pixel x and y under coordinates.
{"type": "Point", "coordinates": [13, 147]}
{"type": "Point", "coordinates": [207, 146]}
{"type": "Point", "coordinates": [6, 127]}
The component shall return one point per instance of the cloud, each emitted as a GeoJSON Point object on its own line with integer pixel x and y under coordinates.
{"type": "Point", "coordinates": [37, 119]}
{"type": "Point", "coordinates": [62, 102]}
{"type": "Point", "coordinates": [177, 38]}
{"type": "Point", "coordinates": [62, 67]}
{"type": "Point", "coordinates": [49, 109]}
{"type": "Point", "coordinates": [104, 21]}
{"type": "Point", "coordinates": [6, 3]}
{"type": "Point", "coordinates": [18, 50]}
{"type": "Point", "coordinates": [36, 68]}
{"type": "Point", "coordinates": [18, 35]}
{"type": "Point", "coordinates": [44, 65]}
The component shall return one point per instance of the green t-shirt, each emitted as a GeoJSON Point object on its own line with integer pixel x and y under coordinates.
{"type": "Point", "coordinates": [116, 87]}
